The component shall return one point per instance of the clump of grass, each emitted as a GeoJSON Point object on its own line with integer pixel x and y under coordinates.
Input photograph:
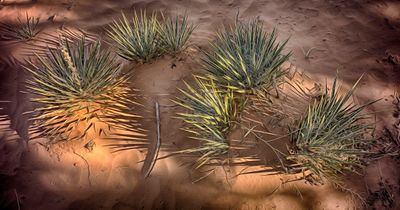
{"type": "Point", "coordinates": [80, 88]}
{"type": "Point", "coordinates": [145, 38]}
{"type": "Point", "coordinates": [211, 112]}
{"type": "Point", "coordinates": [23, 30]}
{"type": "Point", "coordinates": [329, 138]}
{"type": "Point", "coordinates": [245, 58]}
{"type": "Point", "coordinates": [137, 40]}
{"type": "Point", "coordinates": [175, 34]}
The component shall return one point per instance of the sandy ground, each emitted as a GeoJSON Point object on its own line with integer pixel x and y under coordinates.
{"type": "Point", "coordinates": [351, 37]}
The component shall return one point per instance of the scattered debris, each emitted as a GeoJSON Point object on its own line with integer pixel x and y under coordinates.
{"type": "Point", "coordinates": [392, 58]}
{"type": "Point", "coordinates": [51, 18]}
{"type": "Point", "coordinates": [90, 145]}
{"type": "Point", "coordinates": [384, 194]}
{"type": "Point", "coordinates": [389, 24]}
{"type": "Point", "coordinates": [173, 65]}
{"type": "Point", "coordinates": [307, 54]}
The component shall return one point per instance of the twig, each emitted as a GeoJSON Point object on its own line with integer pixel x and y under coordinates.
{"type": "Point", "coordinates": [16, 195]}
{"type": "Point", "coordinates": [206, 175]}
{"type": "Point", "coordinates": [299, 192]}
{"type": "Point", "coordinates": [353, 193]}
{"type": "Point", "coordinates": [240, 172]}
{"type": "Point", "coordinates": [273, 148]}
{"type": "Point", "coordinates": [283, 182]}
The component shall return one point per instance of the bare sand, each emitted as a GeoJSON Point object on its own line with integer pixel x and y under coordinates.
{"type": "Point", "coordinates": [351, 38]}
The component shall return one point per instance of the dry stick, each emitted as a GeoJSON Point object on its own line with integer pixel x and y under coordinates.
{"type": "Point", "coordinates": [16, 195]}
{"type": "Point", "coordinates": [157, 149]}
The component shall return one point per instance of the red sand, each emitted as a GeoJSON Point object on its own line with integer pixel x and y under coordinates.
{"type": "Point", "coordinates": [352, 37]}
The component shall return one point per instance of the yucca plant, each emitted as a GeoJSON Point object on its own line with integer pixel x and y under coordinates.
{"type": "Point", "coordinates": [175, 34]}
{"type": "Point", "coordinates": [137, 40]}
{"type": "Point", "coordinates": [331, 137]}
{"type": "Point", "coordinates": [245, 58]}
{"type": "Point", "coordinates": [130, 134]}
{"type": "Point", "coordinates": [80, 88]}
{"type": "Point", "coordinates": [211, 112]}
{"type": "Point", "coordinates": [23, 30]}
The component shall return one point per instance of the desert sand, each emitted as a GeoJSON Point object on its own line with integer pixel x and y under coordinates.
{"type": "Point", "coordinates": [344, 37]}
